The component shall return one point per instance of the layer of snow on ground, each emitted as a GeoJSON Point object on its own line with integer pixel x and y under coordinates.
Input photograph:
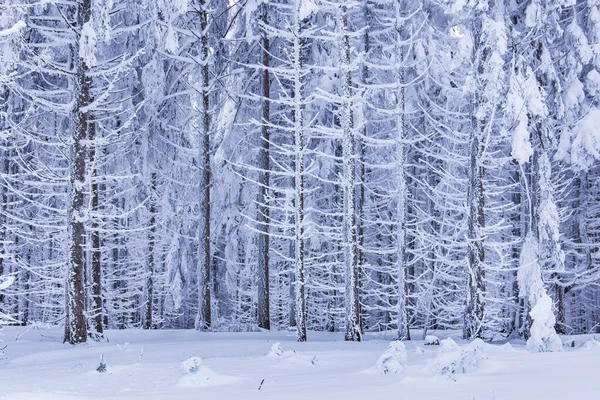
{"type": "Point", "coordinates": [272, 365]}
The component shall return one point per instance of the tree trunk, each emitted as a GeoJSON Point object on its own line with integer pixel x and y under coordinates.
{"type": "Point", "coordinates": [353, 324]}
{"type": "Point", "coordinates": [147, 322]}
{"type": "Point", "coordinates": [96, 268]}
{"type": "Point", "coordinates": [299, 184]}
{"type": "Point", "coordinates": [203, 319]}
{"type": "Point", "coordinates": [75, 329]}
{"type": "Point", "coordinates": [401, 173]}
{"type": "Point", "coordinates": [3, 209]}
{"type": "Point", "coordinates": [262, 217]}
{"type": "Point", "coordinates": [474, 310]}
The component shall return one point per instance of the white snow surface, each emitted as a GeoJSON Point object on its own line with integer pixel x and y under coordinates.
{"type": "Point", "coordinates": [38, 366]}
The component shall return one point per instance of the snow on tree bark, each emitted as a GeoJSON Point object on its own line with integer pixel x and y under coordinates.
{"type": "Point", "coordinates": [262, 213]}
{"type": "Point", "coordinates": [75, 327]}
{"type": "Point", "coordinates": [351, 294]}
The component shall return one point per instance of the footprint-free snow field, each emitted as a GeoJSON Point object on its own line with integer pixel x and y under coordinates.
{"type": "Point", "coordinates": [35, 364]}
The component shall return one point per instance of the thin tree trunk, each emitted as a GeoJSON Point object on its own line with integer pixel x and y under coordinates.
{"type": "Point", "coordinates": [262, 217]}
{"type": "Point", "coordinates": [75, 329]}
{"type": "Point", "coordinates": [353, 328]}
{"type": "Point", "coordinates": [401, 173]}
{"type": "Point", "coordinates": [96, 267]}
{"type": "Point", "coordinates": [299, 176]}
{"type": "Point", "coordinates": [203, 319]}
{"type": "Point", "coordinates": [3, 209]}
{"type": "Point", "coordinates": [147, 320]}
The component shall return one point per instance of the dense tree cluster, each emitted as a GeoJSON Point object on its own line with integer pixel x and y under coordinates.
{"type": "Point", "coordinates": [351, 165]}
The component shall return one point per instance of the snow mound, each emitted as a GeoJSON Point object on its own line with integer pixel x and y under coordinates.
{"type": "Point", "coordinates": [205, 377]}
{"type": "Point", "coordinates": [276, 351]}
{"type": "Point", "coordinates": [394, 360]}
{"type": "Point", "coordinates": [431, 340]}
{"type": "Point", "coordinates": [191, 365]}
{"type": "Point", "coordinates": [591, 345]}
{"type": "Point", "coordinates": [453, 359]}
{"type": "Point", "coordinates": [507, 347]}
{"type": "Point", "coordinates": [289, 356]}
{"type": "Point", "coordinates": [198, 375]}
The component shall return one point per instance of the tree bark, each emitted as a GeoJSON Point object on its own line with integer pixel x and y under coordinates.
{"type": "Point", "coordinates": [353, 323]}
{"type": "Point", "coordinates": [474, 309]}
{"type": "Point", "coordinates": [96, 267]}
{"type": "Point", "coordinates": [299, 182]}
{"type": "Point", "coordinates": [75, 329]}
{"type": "Point", "coordinates": [203, 319]}
{"type": "Point", "coordinates": [402, 193]}
{"type": "Point", "coordinates": [147, 322]}
{"type": "Point", "coordinates": [262, 217]}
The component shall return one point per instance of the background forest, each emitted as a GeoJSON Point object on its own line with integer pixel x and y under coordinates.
{"type": "Point", "coordinates": [347, 166]}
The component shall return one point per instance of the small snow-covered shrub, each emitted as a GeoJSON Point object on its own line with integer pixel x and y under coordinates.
{"type": "Point", "coordinates": [191, 365]}
{"type": "Point", "coordinates": [197, 375]}
{"type": "Point", "coordinates": [431, 340]}
{"type": "Point", "coordinates": [394, 360]}
{"type": "Point", "coordinates": [531, 288]}
{"type": "Point", "coordinates": [454, 359]}
{"type": "Point", "coordinates": [281, 357]}
{"type": "Point", "coordinates": [102, 367]}
{"type": "Point", "coordinates": [276, 350]}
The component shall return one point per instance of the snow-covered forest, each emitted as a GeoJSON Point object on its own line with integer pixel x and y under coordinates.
{"type": "Point", "coordinates": [347, 166]}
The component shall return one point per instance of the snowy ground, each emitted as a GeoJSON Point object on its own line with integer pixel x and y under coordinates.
{"type": "Point", "coordinates": [38, 366]}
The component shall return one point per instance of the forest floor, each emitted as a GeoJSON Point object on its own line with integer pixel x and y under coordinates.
{"type": "Point", "coordinates": [36, 365]}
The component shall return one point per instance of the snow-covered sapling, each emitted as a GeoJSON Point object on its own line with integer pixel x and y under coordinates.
{"type": "Point", "coordinates": [191, 365]}
{"type": "Point", "coordinates": [276, 350]}
{"type": "Point", "coordinates": [102, 367]}
{"type": "Point", "coordinates": [454, 359]}
{"type": "Point", "coordinates": [394, 360]}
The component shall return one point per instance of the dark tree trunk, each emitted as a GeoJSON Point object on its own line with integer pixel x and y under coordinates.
{"type": "Point", "coordinates": [474, 311]}
{"type": "Point", "coordinates": [75, 329]}
{"type": "Point", "coordinates": [147, 322]}
{"type": "Point", "coordinates": [96, 268]}
{"type": "Point", "coordinates": [262, 217]}
{"type": "Point", "coordinates": [204, 317]}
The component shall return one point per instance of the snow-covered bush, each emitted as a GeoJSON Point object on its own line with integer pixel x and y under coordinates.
{"type": "Point", "coordinates": [276, 350]}
{"type": "Point", "coordinates": [191, 365]}
{"type": "Point", "coordinates": [431, 340]}
{"type": "Point", "coordinates": [394, 360]}
{"type": "Point", "coordinates": [543, 335]}
{"type": "Point", "coordinates": [277, 354]}
{"type": "Point", "coordinates": [454, 359]}
{"type": "Point", "coordinates": [531, 288]}
{"type": "Point", "coordinates": [197, 375]}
